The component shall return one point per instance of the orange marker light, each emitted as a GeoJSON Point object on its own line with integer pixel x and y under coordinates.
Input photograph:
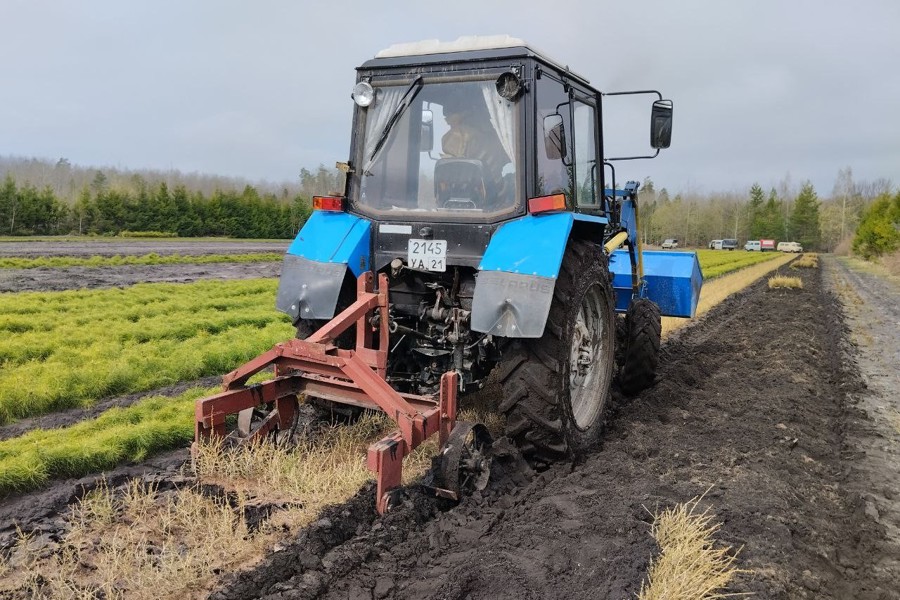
{"type": "Point", "coordinates": [547, 203]}
{"type": "Point", "coordinates": [328, 203]}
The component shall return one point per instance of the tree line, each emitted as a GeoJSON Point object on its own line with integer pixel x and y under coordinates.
{"type": "Point", "coordinates": [100, 210]}
{"type": "Point", "coordinates": [784, 213]}
{"type": "Point", "coordinates": [144, 201]}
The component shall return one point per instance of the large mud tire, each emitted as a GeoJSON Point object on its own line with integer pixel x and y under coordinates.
{"type": "Point", "coordinates": [640, 358]}
{"type": "Point", "coordinates": [556, 387]}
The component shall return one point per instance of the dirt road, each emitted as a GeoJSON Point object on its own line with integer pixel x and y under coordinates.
{"type": "Point", "coordinates": [872, 308]}
{"type": "Point", "coordinates": [751, 409]}
{"type": "Point", "coordinates": [70, 278]}
{"type": "Point", "coordinates": [113, 247]}
{"type": "Point", "coordinates": [56, 279]}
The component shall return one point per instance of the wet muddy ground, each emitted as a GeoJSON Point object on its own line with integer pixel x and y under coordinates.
{"type": "Point", "coordinates": [761, 406]}
{"type": "Point", "coordinates": [752, 410]}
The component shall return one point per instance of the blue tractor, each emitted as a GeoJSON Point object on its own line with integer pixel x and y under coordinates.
{"type": "Point", "coordinates": [480, 233]}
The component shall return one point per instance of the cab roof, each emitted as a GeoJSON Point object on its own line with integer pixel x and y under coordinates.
{"type": "Point", "coordinates": [463, 49]}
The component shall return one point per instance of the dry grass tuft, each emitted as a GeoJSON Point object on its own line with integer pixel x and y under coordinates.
{"type": "Point", "coordinates": [688, 567]}
{"type": "Point", "coordinates": [142, 544]}
{"type": "Point", "coordinates": [780, 281]}
{"type": "Point", "coordinates": [329, 467]}
{"type": "Point", "coordinates": [806, 261]}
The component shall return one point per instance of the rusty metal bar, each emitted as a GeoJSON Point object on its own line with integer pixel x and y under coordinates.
{"type": "Point", "coordinates": [356, 377]}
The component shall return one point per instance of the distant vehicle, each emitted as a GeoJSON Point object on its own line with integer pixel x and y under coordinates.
{"type": "Point", "coordinates": [753, 246]}
{"type": "Point", "coordinates": [789, 247]}
{"type": "Point", "coordinates": [670, 244]}
{"type": "Point", "coordinates": [765, 245]}
{"type": "Point", "coordinates": [729, 244]}
{"type": "Point", "coordinates": [715, 245]}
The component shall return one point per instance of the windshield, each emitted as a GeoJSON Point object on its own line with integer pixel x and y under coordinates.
{"type": "Point", "coordinates": [438, 149]}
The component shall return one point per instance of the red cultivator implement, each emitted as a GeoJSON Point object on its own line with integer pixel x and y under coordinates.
{"type": "Point", "coordinates": [316, 367]}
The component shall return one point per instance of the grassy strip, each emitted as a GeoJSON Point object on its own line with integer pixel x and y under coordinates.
{"type": "Point", "coordinates": [118, 435]}
{"type": "Point", "coordinates": [689, 566]}
{"type": "Point", "coordinates": [72, 348]}
{"type": "Point", "coordinates": [144, 259]}
{"type": "Point", "coordinates": [717, 262]}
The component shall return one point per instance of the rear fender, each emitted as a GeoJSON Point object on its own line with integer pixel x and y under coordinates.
{"type": "Point", "coordinates": [518, 272]}
{"type": "Point", "coordinates": [313, 271]}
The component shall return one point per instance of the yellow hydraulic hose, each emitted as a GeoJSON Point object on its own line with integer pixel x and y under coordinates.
{"type": "Point", "coordinates": [616, 241]}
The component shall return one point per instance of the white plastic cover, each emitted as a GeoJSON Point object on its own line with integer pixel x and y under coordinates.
{"type": "Point", "coordinates": [462, 44]}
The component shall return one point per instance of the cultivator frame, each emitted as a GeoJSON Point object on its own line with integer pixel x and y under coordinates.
{"type": "Point", "coordinates": [316, 367]}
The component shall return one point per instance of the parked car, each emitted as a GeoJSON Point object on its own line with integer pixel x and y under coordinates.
{"type": "Point", "coordinates": [715, 245]}
{"type": "Point", "coordinates": [670, 244]}
{"type": "Point", "coordinates": [789, 247]}
{"type": "Point", "coordinates": [753, 246]}
{"type": "Point", "coordinates": [766, 245]}
{"type": "Point", "coordinates": [729, 244]}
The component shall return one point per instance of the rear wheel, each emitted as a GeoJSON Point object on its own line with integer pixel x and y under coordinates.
{"type": "Point", "coordinates": [643, 331]}
{"type": "Point", "coordinates": [556, 387]}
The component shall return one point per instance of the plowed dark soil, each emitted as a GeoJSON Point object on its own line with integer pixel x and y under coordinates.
{"type": "Point", "coordinates": [760, 406]}
{"type": "Point", "coordinates": [46, 279]}
{"type": "Point", "coordinates": [750, 410]}
{"type": "Point", "coordinates": [111, 247]}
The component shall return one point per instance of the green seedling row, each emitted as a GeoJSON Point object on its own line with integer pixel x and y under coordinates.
{"type": "Point", "coordinates": [143, 259]}
{"type": "Point", "coordinates": [61, 350]}
{"type": "Point", "coordinates": [119, 435]}
{"type": "Point", "coordinates": [714, 265]}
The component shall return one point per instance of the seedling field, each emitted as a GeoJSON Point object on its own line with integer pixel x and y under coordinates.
{"type": "Point", "coordinates": [67, 349]}
{"type": "Point", "coordinates": [670, 453]}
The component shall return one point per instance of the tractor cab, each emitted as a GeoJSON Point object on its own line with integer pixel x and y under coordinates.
{"type": "Point", "coordinates": [476, 233]}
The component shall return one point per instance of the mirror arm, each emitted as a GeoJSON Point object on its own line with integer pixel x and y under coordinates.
{"type": "Point", "coordinates": [654, 155]}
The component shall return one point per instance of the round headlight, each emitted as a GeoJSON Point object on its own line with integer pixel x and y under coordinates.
{"type": "Point", "coordinates": [363, 94]}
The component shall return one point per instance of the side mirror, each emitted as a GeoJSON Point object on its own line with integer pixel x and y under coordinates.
{"type": "Point", "coordinates": [554, 137]}
{"type": "Point", "coordinates": [661, 124]}
{"type": "Point", "coordinates": [426, 139]}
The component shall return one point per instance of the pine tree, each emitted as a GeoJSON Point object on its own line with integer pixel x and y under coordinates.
{"type": "Point", "coordinates": [755, 211]}
{"type": "Point", "coordinates": [805, 218]}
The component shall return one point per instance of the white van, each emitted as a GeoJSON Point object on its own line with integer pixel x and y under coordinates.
{"type": "Point", "coordinates": [753, 246]}
{"type": "Point", "coordinates": [670, 244]}
{"type": "Point", "coordinates": [789, 247]}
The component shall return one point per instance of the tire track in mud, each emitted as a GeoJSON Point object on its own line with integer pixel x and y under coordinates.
{"type": "Point", "coordinates": [749, 409]}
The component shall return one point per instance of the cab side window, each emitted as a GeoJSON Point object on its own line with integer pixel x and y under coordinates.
{"type": "Point", "coordinates": [585, 127]}
{"type": "Point", "coordinates": [554, 173]}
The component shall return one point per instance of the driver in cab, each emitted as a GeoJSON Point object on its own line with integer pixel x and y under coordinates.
{"type": "Point", "coordinates": [471, 136]}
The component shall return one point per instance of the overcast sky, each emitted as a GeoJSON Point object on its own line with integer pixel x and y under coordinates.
{"type": "Point", "coordinates": [260, 89]}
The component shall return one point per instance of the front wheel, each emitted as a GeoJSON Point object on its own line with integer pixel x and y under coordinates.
{"type": "Point", "coordinates": [641, 340]}
{"type": "Point", "coordinates": [556, 387]}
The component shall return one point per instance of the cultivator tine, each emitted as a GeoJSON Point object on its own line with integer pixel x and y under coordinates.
{"type": "Point", "coordinates": [353, 377]}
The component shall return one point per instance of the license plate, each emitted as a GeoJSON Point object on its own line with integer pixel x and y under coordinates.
{"type": "Point", "coordinates": [427, 255]}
